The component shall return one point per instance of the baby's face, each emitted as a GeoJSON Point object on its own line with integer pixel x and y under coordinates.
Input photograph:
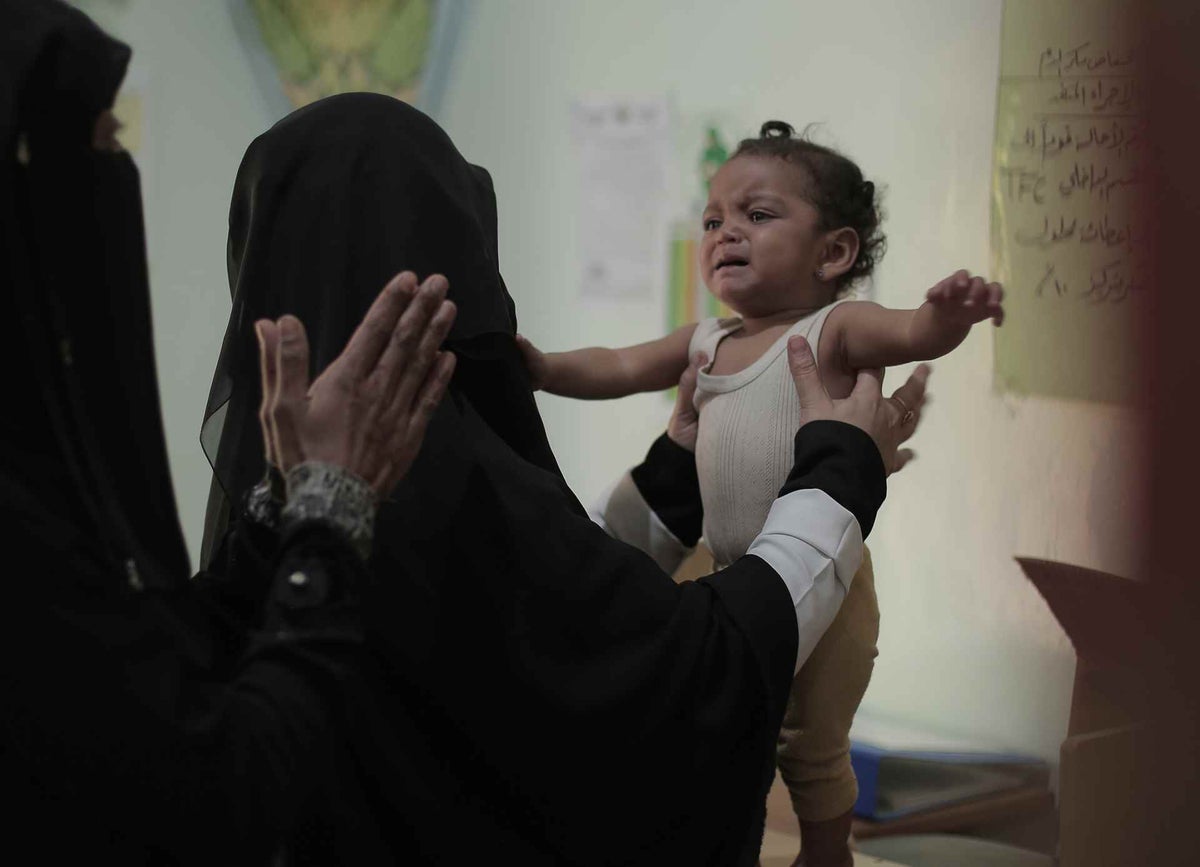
{"type": "Point", "coordinates": [762, 241]}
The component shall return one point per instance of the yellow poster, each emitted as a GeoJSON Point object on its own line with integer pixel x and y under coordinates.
{"type": "Point", "coordinates": [1066, 180]}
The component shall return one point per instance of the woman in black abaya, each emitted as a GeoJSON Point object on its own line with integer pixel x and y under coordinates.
{"type": "Point", "coordinates": [140, 724]}
{"type": "Point", "coordinates": [550, 695]}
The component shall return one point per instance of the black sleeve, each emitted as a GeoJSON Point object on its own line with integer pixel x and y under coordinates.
{"type": "Point", "coordinates": [832, 456]}
{"type": "Point", "coordinates": [120, 739]}
{"type": "Point", "coordinates": [668, 483]}
{"type": "Point", "coordinates": [844, 462]}
{"type": "Point", "coordinates": [238, 577]}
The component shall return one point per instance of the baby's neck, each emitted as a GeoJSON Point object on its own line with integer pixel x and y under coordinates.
{"type": "Point", "coordinates": [752, 325]}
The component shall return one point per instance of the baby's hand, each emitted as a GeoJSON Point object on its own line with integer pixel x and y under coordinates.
{"type": "Point", "coordinates": [535, 362]}
{"type": "Point", "coordinates": [967, 299]}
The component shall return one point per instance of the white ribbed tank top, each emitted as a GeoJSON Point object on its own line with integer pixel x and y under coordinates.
{"type": "Point", "coordinates": [748, 423]}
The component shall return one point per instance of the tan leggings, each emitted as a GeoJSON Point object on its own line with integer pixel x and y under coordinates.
{"type": "Point", "coordinates": [813, 752]}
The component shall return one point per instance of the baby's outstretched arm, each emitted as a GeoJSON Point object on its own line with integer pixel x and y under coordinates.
{"type": "Point", "coordinates": [867, 335]}
{"type": "Point", "coordinates": [597, 373]}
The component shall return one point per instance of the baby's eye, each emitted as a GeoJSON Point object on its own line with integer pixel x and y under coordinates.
{"type": "Point", "coordinates": [711, 223]}
{"type": "Point", "coordinates": [758, 216]}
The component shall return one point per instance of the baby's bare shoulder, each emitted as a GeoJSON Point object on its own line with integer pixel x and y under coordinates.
{"type": "Point", "coordinates": [849, 311]}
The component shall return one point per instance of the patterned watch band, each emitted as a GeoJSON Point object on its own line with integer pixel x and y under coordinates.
{"type": "Point", "coordinates": [324, 492]}
{"type": "Point", "coordinates": [266, 499]}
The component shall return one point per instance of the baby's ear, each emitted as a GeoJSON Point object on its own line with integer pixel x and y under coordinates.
{"type": "Point", "coordinates": [841, 252]}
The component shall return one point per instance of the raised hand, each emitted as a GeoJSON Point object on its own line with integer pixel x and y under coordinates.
{"type": "Point", "coordinates": [966, 299]}
{"type": "Point", "coordinates": [367, 412]}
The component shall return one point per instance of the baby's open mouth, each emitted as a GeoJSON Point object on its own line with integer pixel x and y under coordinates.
{"type": "Point", "coordinates": [731, 262]}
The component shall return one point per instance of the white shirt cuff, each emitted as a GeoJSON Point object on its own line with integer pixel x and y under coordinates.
{"type": "Point", "coordinates": [631, 520]}
{"type": "Point", "coordinates": [816, 546]}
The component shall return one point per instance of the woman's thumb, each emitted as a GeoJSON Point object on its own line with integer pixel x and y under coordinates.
{"type": "Point", "coordinates": [812, 393]}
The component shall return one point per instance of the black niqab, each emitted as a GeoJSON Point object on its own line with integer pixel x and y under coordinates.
{"type": "Point", "coordinates": [84, 437]}
{"type": "Point", "coordinates": [140, 724]}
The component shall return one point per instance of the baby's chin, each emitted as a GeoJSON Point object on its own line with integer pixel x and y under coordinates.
{"type": "Point", "coordinates": [754, 299]}
{"type": "Point", "coordinates": [733, 289]}
{"type": "Point", "coordinates": [745, 298]}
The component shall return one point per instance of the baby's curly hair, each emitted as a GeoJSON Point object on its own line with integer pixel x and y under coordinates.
{"type": "Point", "coordinates": [836, 189]}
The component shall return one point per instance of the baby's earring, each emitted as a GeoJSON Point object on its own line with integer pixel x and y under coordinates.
{"type": "Point", "coordinates": [820, 273]}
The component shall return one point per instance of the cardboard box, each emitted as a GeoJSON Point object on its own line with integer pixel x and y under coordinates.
{"type": "Point", "coordinates": [1102, 814]}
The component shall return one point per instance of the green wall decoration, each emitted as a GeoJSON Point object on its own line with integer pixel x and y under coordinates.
{"type": "Point", "coordinates": [323, 47]}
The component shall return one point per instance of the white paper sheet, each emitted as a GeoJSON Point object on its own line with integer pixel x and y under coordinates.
{"type": "Point", "coordinates": [622, 148]}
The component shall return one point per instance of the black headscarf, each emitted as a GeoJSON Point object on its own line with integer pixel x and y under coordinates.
{"type": "Point", "coordinates": [551, 695]}
{"type": "Point", "coordinates": [328, 205]}
{"type": "Point", "coordinates": [84, 463]}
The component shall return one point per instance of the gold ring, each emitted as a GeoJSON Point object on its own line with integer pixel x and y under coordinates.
{"type": "Point", "coordinates": [908, 413]}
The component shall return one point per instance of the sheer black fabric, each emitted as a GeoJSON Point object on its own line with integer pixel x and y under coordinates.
{"type": "Point", "coordinates": [328, 205]}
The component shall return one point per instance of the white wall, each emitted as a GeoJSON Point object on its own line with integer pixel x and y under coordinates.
{"type": "Point", "coordinates": [908, 90]}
